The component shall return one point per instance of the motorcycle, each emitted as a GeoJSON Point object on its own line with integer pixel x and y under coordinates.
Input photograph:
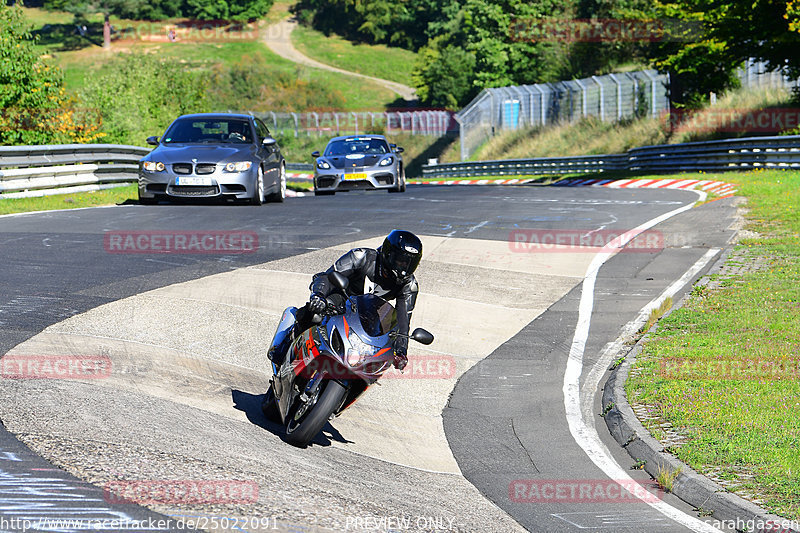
{"type": "Point", "coordinates": [320, 372]}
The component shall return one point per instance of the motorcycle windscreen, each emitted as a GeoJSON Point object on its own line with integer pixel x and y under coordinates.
{"type": "Point", "coordinates": [377, 316]}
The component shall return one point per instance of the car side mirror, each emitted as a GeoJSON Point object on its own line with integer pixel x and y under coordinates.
{"type": "Point", "coordinates": [315, 153]}
{"type": "Point", "coordinates": [422, 336]}
{"type": "Point", "coordinates": [339, 280]}
{"type": "Point", "coordinates": [153, 140]}
{"type": "Point", "coordinates": [399, 150]}
{"type": "Point", "coordinates": [269, 141]}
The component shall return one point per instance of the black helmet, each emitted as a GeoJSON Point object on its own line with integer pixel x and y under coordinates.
{"type": "Point", "coordinates": [400, 253]}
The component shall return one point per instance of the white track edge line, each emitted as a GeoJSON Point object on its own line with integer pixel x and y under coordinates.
{"type": "Point", "coordinates": [586, 439]}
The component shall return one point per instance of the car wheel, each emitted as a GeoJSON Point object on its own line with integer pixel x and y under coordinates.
{"type": "Point", "coordinates": [401, 185]}
{"type": "Point", "coordinates": [281, 194]}
{"type": "Point", "coordinates": [258, 194]}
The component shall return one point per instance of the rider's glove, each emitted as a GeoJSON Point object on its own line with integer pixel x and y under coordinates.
{"type": "Point", "coordinates": [400, 360]}
{"type": "Point", "coordinates": [317, 304]}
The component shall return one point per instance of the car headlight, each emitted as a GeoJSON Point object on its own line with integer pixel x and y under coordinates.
{"type": "Point", "coordinates": [386, 162]}
{"type": "Point", "coordinates": [153, 166]}
{"type": "Point", "coordinates": [238, 166]}
{"type": "Point", "coordinates": [358, 350]}
{"type": "Point", "coordinates": [323, 164]}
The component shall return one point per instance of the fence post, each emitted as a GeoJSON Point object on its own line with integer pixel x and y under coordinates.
{"type": "Point", "coordinates": [602, 96]}
{"type": "Point", "coordinates": [542, 109]}
{"type": "Point", "coordinates": [619, 95]}
{"type": "Point", "coordinates": [294, 116]}
{"type": "Point", "coordinates": [653, 111]}
{"type": "Point", "coordinates": [583, 98]}
{"type": "Point", "coordinates": [336, 116]}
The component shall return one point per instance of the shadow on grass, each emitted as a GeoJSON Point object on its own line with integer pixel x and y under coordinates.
{"type": "Point", "coordinates": [414, 166]}
{"type": "Point", "coordinates": [66, 37]}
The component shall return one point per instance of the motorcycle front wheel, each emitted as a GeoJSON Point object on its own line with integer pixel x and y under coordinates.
{"type": "Point", "coordinates": [308, 420]}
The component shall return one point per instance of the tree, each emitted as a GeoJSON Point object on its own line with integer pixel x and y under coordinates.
{"type": "Point", "coordinates": [731, 31]}
{"type": "Point", "coordinates": [443, 75]}
{"type": "Point", "coordinates": [488, 43]}
{"type": "Point", "coordinates": [83, 8]}
{"type": "Point", "coordinates": [240, 11]}
{"type": "Point", "coordinates": [793, 16]}
{"type": "Point", "coordinates": [34, 108]}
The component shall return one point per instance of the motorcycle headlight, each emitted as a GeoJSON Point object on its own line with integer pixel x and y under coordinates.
{"type": "Point", "coordinates": [323, 164]}
{"type": "Point", "coordinates": [386, 162]}
{"type": "Point", "coordinates": [358, 350]}
{"type": "Point", "coordinates": [153, 166]}
{"type": "Point", "coordinates": [238, 166]}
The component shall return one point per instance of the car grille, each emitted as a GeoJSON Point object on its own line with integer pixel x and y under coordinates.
{"type": "Point", "coordinates": [205, 168]}
{"type": "Point", "coordinates": [384, 179]}
{"type": "Point", "coordinates": [357, 184]}
{"type": "Point", "coordinates": [326, 182]}
{"type": "Point", "coordinates": [187, 190]}
{"type": "Point", "coordinates": [182, 168]}
{"type": "Point", "coordinates": [156, 187]}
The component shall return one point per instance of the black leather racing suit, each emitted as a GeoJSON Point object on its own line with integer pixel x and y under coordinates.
{"type": "Point", "coordinates": [362, 266]}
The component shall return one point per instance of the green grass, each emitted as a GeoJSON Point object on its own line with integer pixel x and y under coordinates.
{"type": "Point", "coordinates": [117, 195]}
{"type": "Point", "coordinates": [745, 431]}
{"type": "Point", "coordinates": [286, 86]}
{"type": "Point", "coordinates": [380, 61]}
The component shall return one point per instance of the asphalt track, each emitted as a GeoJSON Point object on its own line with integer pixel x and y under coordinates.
{"type": "Point", "coordinates": [504, 421]}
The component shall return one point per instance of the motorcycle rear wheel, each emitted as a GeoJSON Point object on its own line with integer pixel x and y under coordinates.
{"type": "Point", "coordinates": [301, 432]}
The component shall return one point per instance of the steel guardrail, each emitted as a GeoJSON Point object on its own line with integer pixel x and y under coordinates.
{"type": "Point", "coordinates": [27, 171]}
{"type": "Point", "coordinates": [708, 156]}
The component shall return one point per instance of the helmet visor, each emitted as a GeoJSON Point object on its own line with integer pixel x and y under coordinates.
{"type": "Point", "coordinates": [401, 262]}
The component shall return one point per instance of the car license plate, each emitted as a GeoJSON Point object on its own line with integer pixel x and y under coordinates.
{"type": "Point", "coordinates": [355, 176]}
{"type": "Point", "coordinates": [192, 180]}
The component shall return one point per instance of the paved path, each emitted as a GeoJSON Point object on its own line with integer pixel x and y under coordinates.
{"type": "Point", "coordinates": [278, 39]}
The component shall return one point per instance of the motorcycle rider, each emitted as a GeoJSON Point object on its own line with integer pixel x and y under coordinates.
{"type": "Point", "coordinates": [387, 272]}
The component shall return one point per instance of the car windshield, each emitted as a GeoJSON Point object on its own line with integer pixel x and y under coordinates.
{"type": "Point", "coordinates": [357, 146]}
{"type": "Point", "coordinates": [377, 316]}
{"type": "Point", "coordinates": [209, 131]}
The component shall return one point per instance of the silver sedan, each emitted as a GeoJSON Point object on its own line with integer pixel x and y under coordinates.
{"type": "Point", "coordinates": [220, 155]}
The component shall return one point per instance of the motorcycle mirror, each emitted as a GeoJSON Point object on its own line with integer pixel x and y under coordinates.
{"type": "Point", "coordinates": [339, 281]}
{"type": "Point", "coordinates": [422, 336]}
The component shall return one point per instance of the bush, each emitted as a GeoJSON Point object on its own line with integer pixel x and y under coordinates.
{"type": "Point", "coordinates": [34, 108]}
{"type": "Point", "coordinates": [141, 94]}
